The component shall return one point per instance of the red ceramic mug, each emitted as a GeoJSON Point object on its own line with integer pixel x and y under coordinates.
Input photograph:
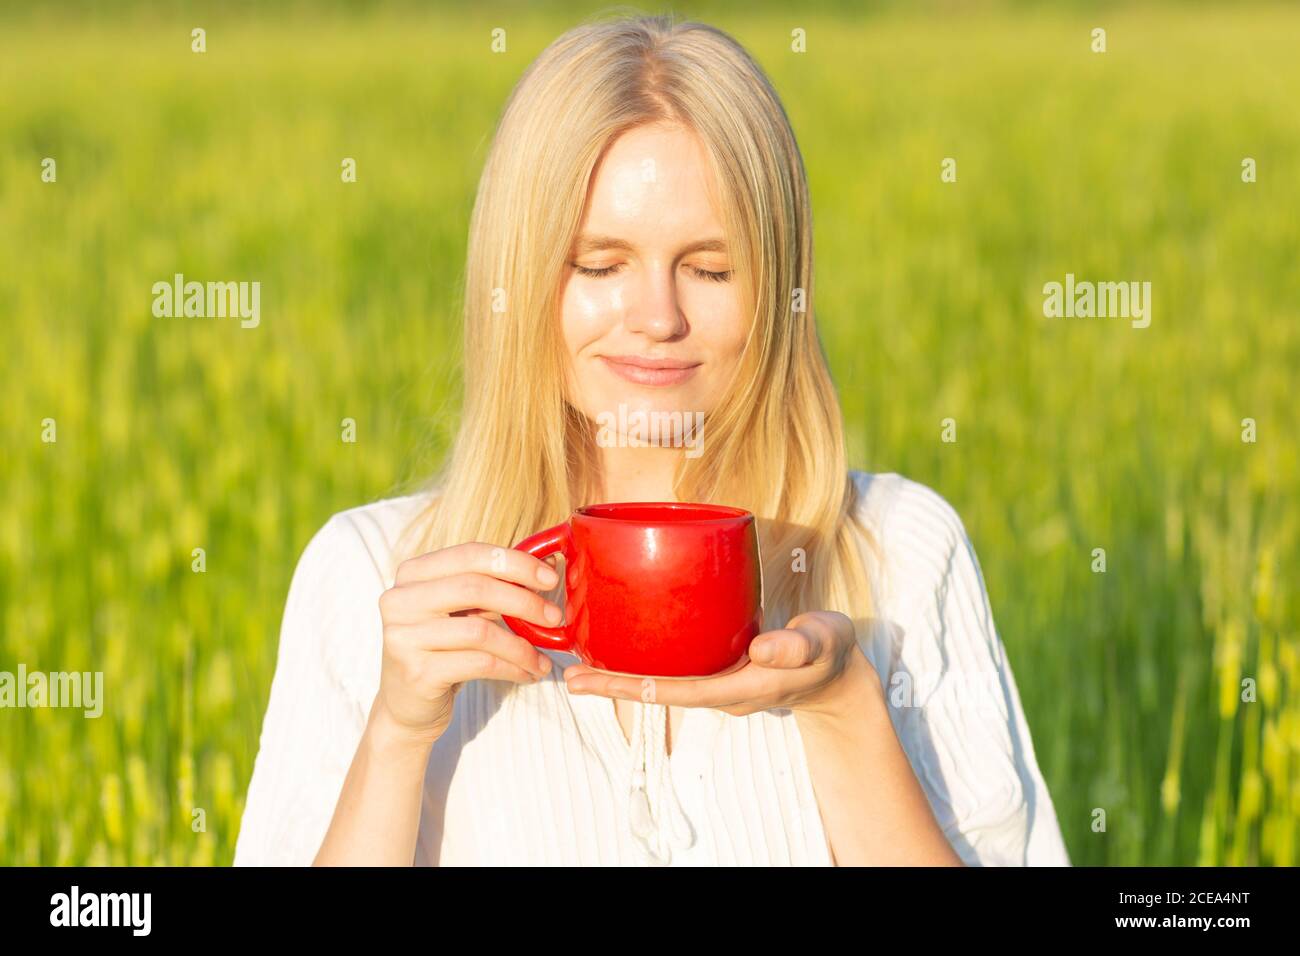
{"type": "Point", "coordinates": [660, 589]}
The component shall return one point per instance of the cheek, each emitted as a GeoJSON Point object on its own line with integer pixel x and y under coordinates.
{"type": "Point", "coordinates": [587, 313]}
{"type": "Point", "coordinates": [722, 322]}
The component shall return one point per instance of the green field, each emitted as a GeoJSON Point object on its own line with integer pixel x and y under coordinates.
{"type": "Point", "coordinates": [1072, 434]}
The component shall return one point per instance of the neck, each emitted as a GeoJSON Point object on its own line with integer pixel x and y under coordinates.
{"type": "Point", "coordinates": [638, 474]}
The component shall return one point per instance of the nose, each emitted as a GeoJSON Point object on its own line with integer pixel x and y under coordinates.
{"type": "Point", "coordinates": [651, 306]}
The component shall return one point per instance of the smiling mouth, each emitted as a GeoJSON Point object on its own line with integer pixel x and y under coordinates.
{"type": "Point", "coordinates": [643, 371]}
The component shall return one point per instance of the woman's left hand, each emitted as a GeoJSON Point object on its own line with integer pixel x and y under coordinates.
{"type": "Point", "coordinates": [807, 666]}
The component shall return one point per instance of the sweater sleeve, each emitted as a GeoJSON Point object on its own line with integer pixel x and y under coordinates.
{"type": "Point", "coordinates": [953, 697]}
{"type": "Point", "coordinates": [330, 631]}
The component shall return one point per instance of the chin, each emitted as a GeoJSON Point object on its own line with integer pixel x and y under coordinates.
{"type": "Point", "coordinates": [662, 400]}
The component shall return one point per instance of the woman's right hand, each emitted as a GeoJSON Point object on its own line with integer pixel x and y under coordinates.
{"type": "Point", "coordinates": [441, 629]}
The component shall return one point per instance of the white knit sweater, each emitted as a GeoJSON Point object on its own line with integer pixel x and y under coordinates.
{"type": "Point", "coordinates": [528, 775]}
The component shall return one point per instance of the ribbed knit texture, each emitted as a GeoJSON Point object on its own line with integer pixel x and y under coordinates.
{"type": "Point", "coordinates": [529, 775]}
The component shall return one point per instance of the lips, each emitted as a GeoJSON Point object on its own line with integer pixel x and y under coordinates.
{"type": "Point", "coordinates": [648, 371]}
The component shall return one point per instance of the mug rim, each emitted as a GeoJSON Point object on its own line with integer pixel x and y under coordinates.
{"type": "Point", "coordinates": [717, 512]}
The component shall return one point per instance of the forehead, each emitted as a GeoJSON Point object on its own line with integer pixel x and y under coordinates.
{"type": "Point", "coordinates": [653, 178]}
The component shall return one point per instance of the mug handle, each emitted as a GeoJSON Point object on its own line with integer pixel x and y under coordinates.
{"type": "Point", "coordinates": [544, 543]}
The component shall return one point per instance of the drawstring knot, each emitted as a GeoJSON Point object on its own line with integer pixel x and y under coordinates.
{"type": "Point", "coordinates": [654, 811]}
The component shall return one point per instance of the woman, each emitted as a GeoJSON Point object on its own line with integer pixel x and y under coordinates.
{"type": "Point", "coordinates": [641, 243]}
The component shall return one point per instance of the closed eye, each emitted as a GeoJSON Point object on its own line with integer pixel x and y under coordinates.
{"type": "Point", "coordinates": [595, 273]}
{"type": "Point", "coordinates": [705, 274]}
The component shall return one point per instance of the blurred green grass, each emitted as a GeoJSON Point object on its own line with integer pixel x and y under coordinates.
{"type": "Point", "coordinates": [1072, 434]}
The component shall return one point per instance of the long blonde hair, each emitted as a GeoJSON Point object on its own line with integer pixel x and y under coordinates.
{"type": "Point", "coordinates": [524, 457]}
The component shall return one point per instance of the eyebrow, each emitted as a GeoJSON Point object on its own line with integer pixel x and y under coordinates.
{"type": "Point", "coordinates": [586, 244]}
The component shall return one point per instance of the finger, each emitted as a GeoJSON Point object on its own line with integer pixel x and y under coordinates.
{"type": "Point", "coordinates": [459, 666]}
{"type": "Point", "coordinates": [746, 684]}
{"type": "Point", "coordinates": [577, 670]}
{"type": "Point", "coordinates": [473, 634]}
{"type": "Point", "coordinates": [791, 647]}
{"type": "Point", "coordinates": [827, 628]}
{"type": "Point", "coordinates": [414, 602]}
{"type": "Point", "coordinates": [505, 563]}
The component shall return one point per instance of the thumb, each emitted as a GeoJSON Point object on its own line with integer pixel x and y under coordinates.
{"type": "Point", "coordinates": [784, 648]}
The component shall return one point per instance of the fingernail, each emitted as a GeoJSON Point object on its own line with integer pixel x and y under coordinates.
{"type": "Point", "coordinates": [548, 576]}
{"type": "Point", "coordinates": [554, 614]}
{"type": "Point", "coordinates": [543, 663]}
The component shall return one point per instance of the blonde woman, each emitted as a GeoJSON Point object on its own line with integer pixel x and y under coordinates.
{"type": "Point", "coordinates": [642, 241]}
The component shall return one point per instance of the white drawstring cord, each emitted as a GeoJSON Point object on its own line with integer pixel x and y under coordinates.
{"type": "Point", "coordinates": [653, 802]}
